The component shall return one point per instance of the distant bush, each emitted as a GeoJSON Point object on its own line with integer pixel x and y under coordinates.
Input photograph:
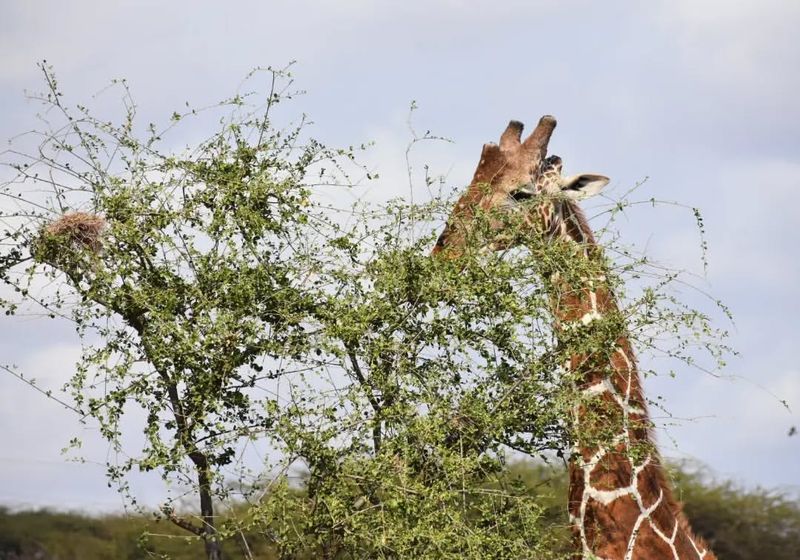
{"type": "Point", "coordinates": [739, 523]}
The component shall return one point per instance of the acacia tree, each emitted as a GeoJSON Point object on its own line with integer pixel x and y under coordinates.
{"type": "Point", "coordinates": [217, 294]}
{"type": "Point", "coordinates": [188, 267]}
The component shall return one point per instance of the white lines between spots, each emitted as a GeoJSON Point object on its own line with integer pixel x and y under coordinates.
{"type": "Point", "coordinates": [671, 540]}
{"type": "Point", "coordinates": [644, 515]}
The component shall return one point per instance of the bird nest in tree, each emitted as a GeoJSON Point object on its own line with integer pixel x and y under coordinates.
{"type": "Point", "coordinates": [78, 230]}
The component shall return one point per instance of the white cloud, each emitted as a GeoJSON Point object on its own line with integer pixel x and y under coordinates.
{"type": "Point", "coordinates": [738, 426]}
{"type": "Point", "coordinates": [743, 40]}
{"type": "Point", "coordinates": [736, 62]}
{"type": "Point", "coordinates": [36, 429]}
{"type": "Point", "coordinates": [749, 209]}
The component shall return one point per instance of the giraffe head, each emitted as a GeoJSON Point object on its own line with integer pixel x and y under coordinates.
{"type": "Point", "coordinates": [511, 173]}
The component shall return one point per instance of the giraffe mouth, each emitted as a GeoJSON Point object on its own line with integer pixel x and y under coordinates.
{"type": "Point", "coordinates": [523, 193]}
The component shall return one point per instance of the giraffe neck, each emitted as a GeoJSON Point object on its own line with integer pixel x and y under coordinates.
{"type": "Point", "coordinates": [621, 505]}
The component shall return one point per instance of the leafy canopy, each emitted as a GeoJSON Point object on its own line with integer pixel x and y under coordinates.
{"type": "Point", "coordinates": [313, 363]}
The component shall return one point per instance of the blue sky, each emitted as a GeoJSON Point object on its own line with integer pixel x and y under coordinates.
{"type": "Point", "coordinates": [697, 95]}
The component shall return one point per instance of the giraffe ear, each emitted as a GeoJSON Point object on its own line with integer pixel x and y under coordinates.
{"type": "Point", "coordinates": [584, 185]}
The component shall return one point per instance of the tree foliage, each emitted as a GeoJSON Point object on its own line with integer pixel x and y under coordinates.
{"type": "Point", "coordinates": [262, 335]}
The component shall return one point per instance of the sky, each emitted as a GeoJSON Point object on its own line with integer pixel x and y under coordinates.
{"type": "Point", "coordinates": [696, 96]}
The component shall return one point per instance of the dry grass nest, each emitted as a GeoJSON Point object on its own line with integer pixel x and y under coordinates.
{"type": "Point", "coordinates": [81, 229]}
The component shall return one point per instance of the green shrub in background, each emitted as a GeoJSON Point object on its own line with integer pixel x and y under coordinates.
{"type": "Point", "coordinates": [742, 523]}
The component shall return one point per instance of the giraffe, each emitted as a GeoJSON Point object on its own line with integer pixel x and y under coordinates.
{"type": "Point", "coordinates": [621, 505]}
